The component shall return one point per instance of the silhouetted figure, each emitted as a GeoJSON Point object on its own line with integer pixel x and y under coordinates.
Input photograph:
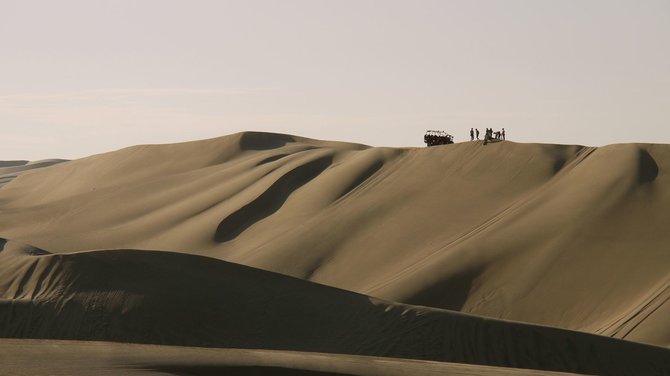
{"type": "Point", "coordinates": [477, 133]}
{"type": "Point", "coordinates": [503, 133]}
{"type": "Point", "coordinates": [472, 134]}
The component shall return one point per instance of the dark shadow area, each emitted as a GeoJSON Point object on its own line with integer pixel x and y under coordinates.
{"type": "Point", "coordinates": [363, 176]}
{"type": "Point", "coordinates": [216, 370]}
{"type": "Point", "coordinates": [271, 159]}
{"type": "Point", "coordinates": [12, 163]}
{"type": "Point", "coordinates": [647, 168]}
{"type": "Point", "coordinates": [264, 141]}
{"type": "Point", "coordinates": [450, 293]}
{"type": "Point", "coordinates": [2, 244]}
{"type": "Point", "coordinates": [558, 164]}
{"type": "Point", "coordinates": [561, 154]}
{"type": "Point", "coordinates": [6, 179]}
{"type": "Point", "coordinates": [271, 200]}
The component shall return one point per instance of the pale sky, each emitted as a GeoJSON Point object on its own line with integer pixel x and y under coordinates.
{"type": "Point", "coordinates": [84, 77]}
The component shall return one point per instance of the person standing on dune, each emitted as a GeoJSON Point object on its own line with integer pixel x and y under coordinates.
{"type": "Point", "coordinates": [477, 133]}
{"type": "Point", "coordinates": [472, 134]}
{"type": "Point", "coordinates": [503, 133]}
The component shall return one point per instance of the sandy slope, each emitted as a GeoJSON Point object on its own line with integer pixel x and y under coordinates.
{"type": "Point", "coordinates": [10, 170]}
{"type": "Point", "coordinates": [179, 299]}
{"type": "Point", "coordinates": [566, 236]}
{"type": "Point", "coordinates": [106, 358]}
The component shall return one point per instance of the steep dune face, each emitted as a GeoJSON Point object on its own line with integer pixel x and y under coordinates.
{"type": "Point", "coordinates": [179, 299]}
{"type": "Point", "coordinates": [599, 241]}
{"type": "Point", "coordinates": [565, 236]}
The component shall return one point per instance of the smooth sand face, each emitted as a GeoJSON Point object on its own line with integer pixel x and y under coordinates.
{"type": "Point", "coordinates": [108, 358]}
{"type": "Point", "coordinates": [567, 236]}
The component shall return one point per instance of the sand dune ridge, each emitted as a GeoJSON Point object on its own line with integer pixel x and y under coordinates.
{"type": "Point", "coordinates": [173, 298]}
{"type": "Point", "coordinates": [566, 236]}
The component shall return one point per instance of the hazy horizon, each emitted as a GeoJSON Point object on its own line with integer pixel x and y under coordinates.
{"type": "Point", "coordinates": [86, 77]}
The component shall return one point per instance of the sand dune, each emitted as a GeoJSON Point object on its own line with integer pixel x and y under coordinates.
{"type": "Point", "coordinates": [108, 358]}
{"type": "Point", "coordinates": [564, 236]}
{"type": "Point", "coordinates": [178, 299]}
{"type": "Point", "coordinates": [10, 170]}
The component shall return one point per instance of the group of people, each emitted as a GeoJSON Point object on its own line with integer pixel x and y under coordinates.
{"type": "Point", "coordinates": [490, 134]}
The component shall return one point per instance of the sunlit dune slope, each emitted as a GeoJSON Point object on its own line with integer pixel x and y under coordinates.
{"type": "Point", "coordinates": [567, 236]}
{"type": "Point", "coordinates": [180, 299]}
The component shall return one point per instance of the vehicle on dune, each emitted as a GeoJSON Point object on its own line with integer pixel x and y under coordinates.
{"type": "Point", "coordinates": [432, 138]}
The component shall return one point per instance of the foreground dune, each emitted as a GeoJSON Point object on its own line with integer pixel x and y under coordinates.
{"type": "Point", "coordinates": [178, 299]}
{"type": "Point", "coordinates": [107, 358]}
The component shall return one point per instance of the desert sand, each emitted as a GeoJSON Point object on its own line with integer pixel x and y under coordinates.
{"type": "Point", "coordinates": [10, 170]}
{"type": "Point", "coordinates": [109, 358]}
{"type": "Point", "coordinates": [533, 257]}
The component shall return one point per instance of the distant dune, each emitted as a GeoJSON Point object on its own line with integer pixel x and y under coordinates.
{"type": "Point", "coordinates": [9, 170]}
{"type": "Point", "coordinates": [562, 236]}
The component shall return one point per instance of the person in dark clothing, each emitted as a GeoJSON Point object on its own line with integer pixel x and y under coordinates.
{"type": "Point", "coordinates": [503, 133]}
{"type": "Point", "coordinates": [472, 134]}
{"type": "Point", "coordinates": [477, 133]}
